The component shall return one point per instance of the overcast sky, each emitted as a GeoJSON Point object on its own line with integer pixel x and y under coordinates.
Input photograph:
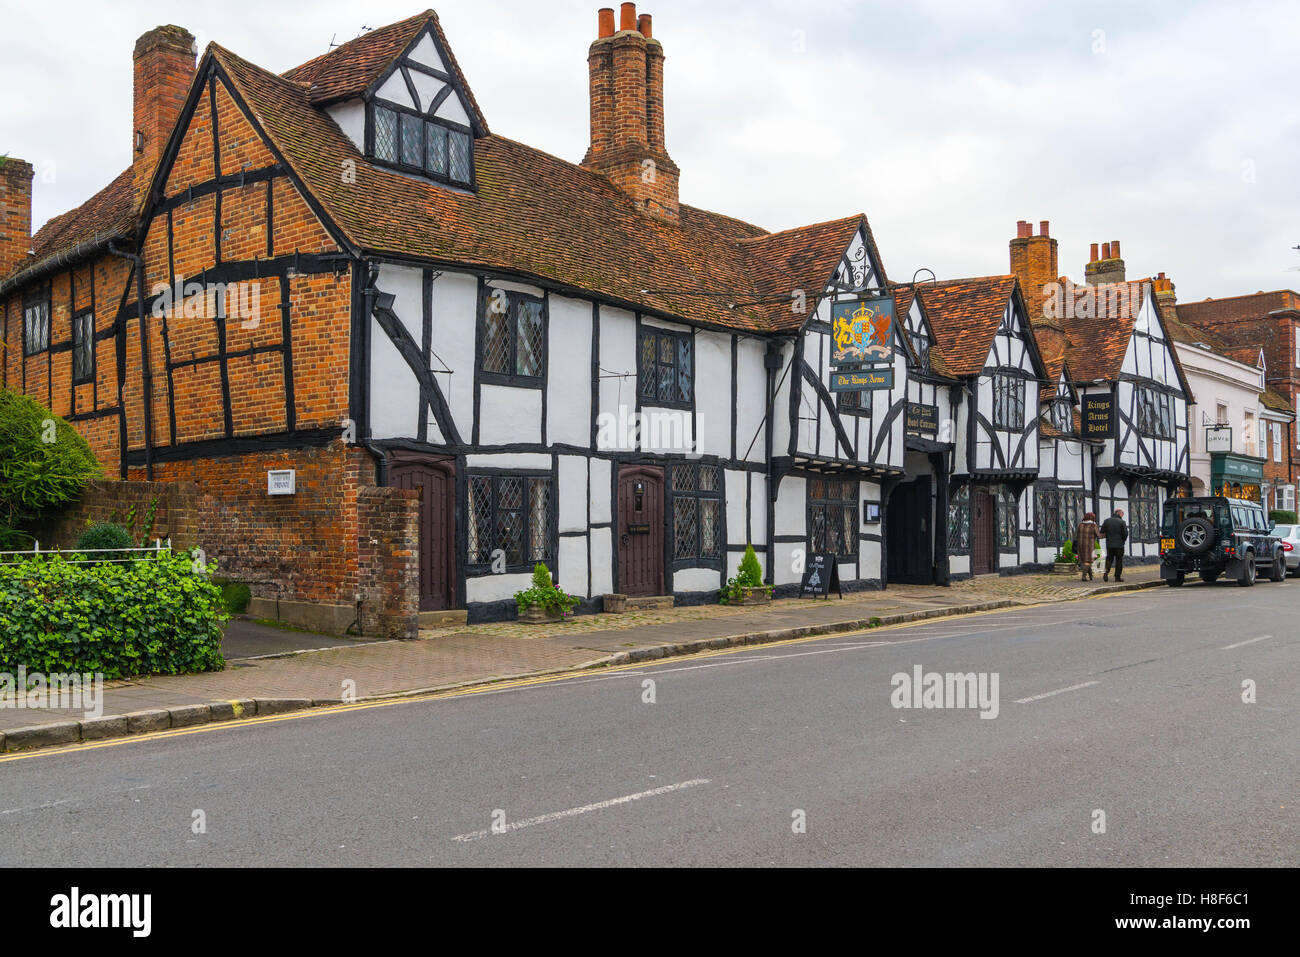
{"type": "Point", "coordinates": [1171, 126]}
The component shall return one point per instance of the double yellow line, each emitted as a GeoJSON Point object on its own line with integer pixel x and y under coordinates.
{"type": "Point", "coordinates": [491, 688]}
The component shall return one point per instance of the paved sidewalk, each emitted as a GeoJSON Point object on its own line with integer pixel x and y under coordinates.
{"type": "Point", "coordinates": [485, 653]}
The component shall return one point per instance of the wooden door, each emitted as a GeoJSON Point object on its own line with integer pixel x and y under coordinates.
{"type": "Point", "coordinates": [983, 531]}
{"type": "Point", "coordinates": [435, 480]}
{"type": "Point", "coordinates": [909, 534]}
{"type": "Point", "coordinates": [641, 531]}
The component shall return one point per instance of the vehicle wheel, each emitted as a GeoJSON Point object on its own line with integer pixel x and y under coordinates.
{"type": "Point", "coordinates": [1210, 577]}
{"type": "Point", "coordinates": [1197, 535]}
{"type": "Point", "coordinates": [1177, 580]}
{"type": "Point", "coordinates": [1278, 573]}
{"type": "Point", "coordinates": [1247, 577]}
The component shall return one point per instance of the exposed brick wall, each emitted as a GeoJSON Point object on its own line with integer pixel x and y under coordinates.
{"type": "Point", "coordinates": [389, 561]}
{"type": "Point", "coordinates": [1034, 262]}
{"type": "Point", "coordinates": [164, 68]}
{"type": "Point", "coordinates": [175, 508]}
{"type": "Point", "coordinates": [15, 213]}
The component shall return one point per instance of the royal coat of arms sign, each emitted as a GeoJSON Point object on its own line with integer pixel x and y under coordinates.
{"type": "Point", "coordinates": [863, 330]}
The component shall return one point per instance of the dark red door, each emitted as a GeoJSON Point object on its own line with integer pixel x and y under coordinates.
{"type": "Point", "coordinates": [641, 531]}
{"type": "Point", "coordinates": [983, 531]}
{"type": "Point", "coordinates": [435, 480]}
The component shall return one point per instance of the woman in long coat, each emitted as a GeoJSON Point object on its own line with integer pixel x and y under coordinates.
{"type": "Point", "coordinates": [1085, 541]}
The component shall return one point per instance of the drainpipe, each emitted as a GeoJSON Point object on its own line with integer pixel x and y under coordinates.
{"type": "Point", "coordinates": [144, 358]}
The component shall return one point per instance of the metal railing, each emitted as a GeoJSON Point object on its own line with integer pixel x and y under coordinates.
{"type": "Point", "coordinates": [77, 556]}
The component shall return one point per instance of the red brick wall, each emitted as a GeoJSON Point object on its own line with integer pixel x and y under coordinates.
{"type": "Point", "coordinates": [389, 561]}
{"type": "Point", "coordinates": [174, 507]}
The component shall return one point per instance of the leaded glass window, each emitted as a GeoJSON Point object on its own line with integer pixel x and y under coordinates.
{"type": "Point", "coordinates": [666, 368]}
{"type": "Point", "coordinates": [83, 347]}
{"type": "Point", "coordinates": [36, 323]}
{"type": "Point", "coordinates": [512, 515]}
{"type": "Point", "coordinates": [513, 333]}
{"type": "Point", "coordinates": [959, 521]}
{"type": "Point", "coordinates": [833, 517]}
{"type": "Point", "coordinates": [420, 144]}
{"type": "Point", "coordinates": [696, 492]}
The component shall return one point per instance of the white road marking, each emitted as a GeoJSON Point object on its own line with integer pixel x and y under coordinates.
{"type": "Point", "coordinates": [575, 811]}
{"type": "Point", "coordinates": [1048, 694]}
{"type": "Point", "coordinates": [1249, 641]}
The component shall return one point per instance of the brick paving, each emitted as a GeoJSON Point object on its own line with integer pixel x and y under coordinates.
{"type": "Point", "coordinates": [484, 653]}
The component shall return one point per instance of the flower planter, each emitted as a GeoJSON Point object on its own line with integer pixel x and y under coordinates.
{"type": "Point", "coordinates": [537, 615]}
{"type": "Point", "coordinates": [755, 596]}
{"type": "Point", "coordinates": [1065, 568]}
{"type": "Point", "coordinates": [615, 604]}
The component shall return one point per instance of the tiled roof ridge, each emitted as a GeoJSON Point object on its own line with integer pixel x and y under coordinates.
{"type": "Point", "coordinates": [350, 45]}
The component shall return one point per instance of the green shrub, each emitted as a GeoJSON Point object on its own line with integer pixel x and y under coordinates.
{"type": "Point", "coordinates": [13, 540]}
{"type": "Point", "coordinates": [44, 462]}
{"type": "Point", "coordinates": [545, 594]}
{"type": "Point", "coordinates": [105, 535]}
{"type": "Point", "coordinates": [1067, 553]}
{"type": "Point", "coordinates": [149, 617]}
{"type": "Point", "coordinates": [1283, 517]}
{"type": "Point", "coordinates": [235, 595]}
{"type": "Point", "coordinates": [749, 575]}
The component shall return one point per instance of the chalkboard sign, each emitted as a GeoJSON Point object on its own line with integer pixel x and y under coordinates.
{"type": "Point", "coordinates": [820, 576]}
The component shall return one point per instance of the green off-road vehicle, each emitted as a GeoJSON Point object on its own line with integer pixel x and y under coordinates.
{"type": "Point", "coordinates": [1215, 536]}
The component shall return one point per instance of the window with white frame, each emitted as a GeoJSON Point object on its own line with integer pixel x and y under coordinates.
{"type": "Point", "coordinates": [1277, 441]}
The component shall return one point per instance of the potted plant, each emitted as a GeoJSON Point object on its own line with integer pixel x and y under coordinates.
{"type": "Point", "coordinates": [1067, 560]}
{"type": "Point", "coordinates": [747, 587]}
{"type": "Point", "coordinates": [544, 600]}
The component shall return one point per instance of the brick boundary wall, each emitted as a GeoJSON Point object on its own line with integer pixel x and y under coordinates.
{"type": "Point", "coordinates": [176, 515]}
{"type": "Point", "coordinates": [388, 534]}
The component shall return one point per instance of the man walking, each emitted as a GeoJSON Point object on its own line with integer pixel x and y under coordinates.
{"type": "Point", "coordinates": [1116, 532]}
{"type": "Point", "coordinates": [1085, 541]}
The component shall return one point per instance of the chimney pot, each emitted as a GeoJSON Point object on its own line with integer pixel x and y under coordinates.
{"type": "Point", "coordinates": [627, 16]}
{"type": "Point", "coordinates": [643, 25]}
{"type": "Point", "coordinates": [1105, 250]}
{"type": "Point", "coordinates": [1093, 254]}
{"type": "Point", "coordinates": [1114, 249]}
{"type": "Point", "coordinates": [1042, 228]}
{"type": "Point", "coordinates": [605, 19]}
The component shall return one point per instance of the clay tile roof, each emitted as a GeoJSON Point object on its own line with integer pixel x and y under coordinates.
{"type": "Point", "coordinates": [965, 315]}
{"type": "Point", "coordinates": [540, 216]}
{"type": "Point", "coordinates": [109, 214]}
{"type": "Point", "coordinates": [1247, 354]}
{"type": "Point", "coordinates": [1271, 399]}
{"type": "Point", "coordinates": [1098, 342]}
{"type": "Point", "coordinates": [348, 70]}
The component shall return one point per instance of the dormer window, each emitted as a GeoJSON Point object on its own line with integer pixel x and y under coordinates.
{"type": "Point", "coordinates": [424, 145]}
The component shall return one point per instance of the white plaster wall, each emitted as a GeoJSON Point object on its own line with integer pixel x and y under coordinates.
{"type": "Point", "coordinates": [394, 91]}
{"type": "Point", "coordinates": [696, 579]}
{"type": "Point", "coordinates": [524, 461]}
{"type": "Point", "coordinates": [568, 409]}
{"type": "Point", "coordinates": [751, 399]}
{"type": "Point", "coordinates": [602, 558]}
{"type": "Point", "coordinates": [455, 319]}
{"type": "Point", "coordinates": [758, 509]}
{"type": "Point", "coordinates": [495, 587]}
{"type": "Point", "coordinates": [425, 52]}
{"type": "Point", "coordinates": [735, 483]}
{"type": "Point", "coordinates": [601, 491]}
{"type": "Point", "coordinates": [618, 373]}
{"type": "Point", "coordinates": [508, 414]}
{"type": "Point", "coordinates": [573, 495]}
{"type": "Point", "coordinates": [713, 393]}
{"type": "Point", "coordinates": [571, 571]}
{"type": "Point", "coordinates": [351, 119]}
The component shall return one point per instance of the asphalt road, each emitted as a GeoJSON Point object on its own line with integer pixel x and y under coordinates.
{"type": "Point", "coordinates": [1129, 705]}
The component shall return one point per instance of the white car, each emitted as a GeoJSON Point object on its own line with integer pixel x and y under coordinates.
{"type": "Point", "coordinates": [1290, 535]}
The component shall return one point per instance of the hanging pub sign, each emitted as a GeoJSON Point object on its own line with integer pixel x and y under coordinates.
{"type": "Point", "coordinates": [820, 576]}
{"type": "Point", "coordinates": [863, 331]}
{"type": "Point", "coordinates": [1218, 438]}
{"type": "Point", "coordinates": [922, 419]}
{"type": "Point", "coordinates": [1098, 416]}
{"type": "Point", "coordinates": [861, 379]}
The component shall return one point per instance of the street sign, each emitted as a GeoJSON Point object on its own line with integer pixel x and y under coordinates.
{"type": "Point", "coordinates": [863, 331]}
{"type": "Point", "coordinates": [863, 379]}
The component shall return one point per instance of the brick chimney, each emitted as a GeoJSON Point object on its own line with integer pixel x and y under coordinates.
{"type": "Point", "coordinates": [1106, 266]}
{"type": "Point", "coordinates": [15, 214]}
{"type": "Point", "coordinates": [164, 70]}
{"type": "Point", "coordinates": [1034, 263]}
{"type": "Point", "coordinates": [1166, 297]}
{"type": "Point", "coordinates": [627, 112]}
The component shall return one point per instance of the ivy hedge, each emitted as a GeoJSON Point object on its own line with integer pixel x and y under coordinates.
{"type": "Point", "coordinates": [123, 619]}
